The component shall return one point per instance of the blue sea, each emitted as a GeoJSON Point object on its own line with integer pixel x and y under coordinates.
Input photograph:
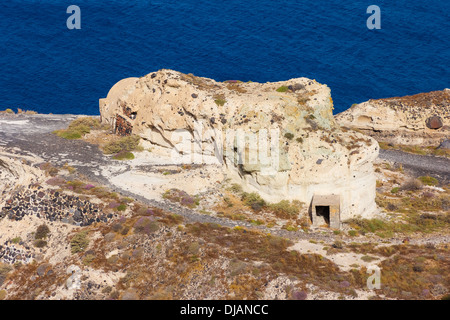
{"type": "Point", "coordinates": [48, 68]}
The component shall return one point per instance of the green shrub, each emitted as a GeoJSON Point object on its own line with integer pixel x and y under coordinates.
{"type": "Point", "coordinates": [88, 258]}
{"type": "Point", "coordinates": [16, 240]}
{"type": "Point", "coordinates": [369, 225]}
{"type": "Point", "coordinates": [253, 200]}
{"type": "Point", "coordinates": [129, 143]}
{"type": "Point", "coordinates": [236, 188]}
{"type": "Point", "coordinates": [42, 232]}
{"type": "Point", "coordinates": [395, 190]}
{"type": "Point", "coordinates": [79, 242]}
{"type": "Point", "coordinates": [78, 128]}
{"type": "Point", "coordinates": [282, 89]}
{"type": "Point", "coordinates": [285, 208]}
{"type": "Point", "coordinates": [429, 181]}
{"type": "Point", "coordinates": [352, 233]}
{"type": "Point", "coordinates": [289, 135]}
{"type": "Point", "coordinates": [40, 243]}
{"type": "Point", "coordinates": [85, 122]}
{"type": "Point", "coordinates": [121, 207]}
{"type": "Point", "coordinates": [220, 102]}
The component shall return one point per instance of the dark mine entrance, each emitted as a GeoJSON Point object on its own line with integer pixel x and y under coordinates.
{"type": "Point", "coordinates": [324, 212]}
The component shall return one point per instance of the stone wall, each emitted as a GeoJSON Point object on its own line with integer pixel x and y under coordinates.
{"type": "Point", "coordinates": [52, 205]}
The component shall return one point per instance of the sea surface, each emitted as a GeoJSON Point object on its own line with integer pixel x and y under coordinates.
{"type": "Point", "coordinates": [48, 68]}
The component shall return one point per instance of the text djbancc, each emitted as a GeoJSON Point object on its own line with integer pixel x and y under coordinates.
{"type": "Point", "coordinates": [229, 309]}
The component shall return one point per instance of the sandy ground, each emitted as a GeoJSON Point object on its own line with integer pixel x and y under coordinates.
{"type": "Point", "coordinates": [150, 174]}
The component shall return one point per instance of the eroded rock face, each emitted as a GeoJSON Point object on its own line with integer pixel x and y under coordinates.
{"type": "Point", "coordinates": [421, 119]}
{"type": "Point", "coordinates": [293, 148]}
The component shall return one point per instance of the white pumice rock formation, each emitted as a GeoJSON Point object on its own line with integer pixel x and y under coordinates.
{"type": "Point", "coordinates": [421, 119]}
{"type": "Point", "coordinates": [292, 146]}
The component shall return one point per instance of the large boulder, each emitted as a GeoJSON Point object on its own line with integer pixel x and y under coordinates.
{"type": "Point", "coordinates": [420, 119]}
{"type": "Point", "coordinates": [278, 138]}
{"type": "Point", "coordinates": [434, 122]}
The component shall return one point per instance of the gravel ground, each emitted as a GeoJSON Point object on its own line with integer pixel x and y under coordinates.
{"type": "Point", "coordinates": [418, 165]}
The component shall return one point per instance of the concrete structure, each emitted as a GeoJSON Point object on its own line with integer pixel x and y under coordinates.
{"type": "Point", "coordinates": [325, 210]}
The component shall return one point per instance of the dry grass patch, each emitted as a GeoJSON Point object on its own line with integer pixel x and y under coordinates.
{"type": "Point", "coordinates": [79, 127]}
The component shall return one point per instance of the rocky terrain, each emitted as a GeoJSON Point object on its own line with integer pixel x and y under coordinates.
{"type": "Point", "coordinates": [421, 119]}
{"type": "Point", "coordinates": [279, 139]}
{"type": "Point", "coordinates": [75, 223]}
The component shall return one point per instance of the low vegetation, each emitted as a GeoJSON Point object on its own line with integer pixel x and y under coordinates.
{"type": "Point", "coordinates": [420, 150]}
{"type": "Point", "coordinates": [41, 235]}
{"type": "Point", "coordinates": [124, 155]}
{"type": "Point", "coordinates": [411, 223]}
{"type": "Point", "coordinates": [79, 242]}
{"type": "Point", "coordinates": [283, 89]}
{"type": "Point", "coordinates": [181, 197]}
{"type": "Point", "coordinates": [79, 127]}
{"type": "Point", "coordinates": [429, 181]}
{"type": "Point", "coordinates": [122, 144]}
{"type": "Point", "coordinates": [250, 206]}
{"type": "Point", "coordinates": [120, 148]}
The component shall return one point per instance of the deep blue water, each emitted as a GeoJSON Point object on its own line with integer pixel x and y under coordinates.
{"type": "Point", "coordinates": [47, 68]}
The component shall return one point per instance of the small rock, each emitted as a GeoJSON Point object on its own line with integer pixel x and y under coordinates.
{"type": "Point", "coordinates": [43, 269]}
{"type": "Point", "coordinates": [445, 144]}
{"type": "Point", "coordinates": [299, 295]}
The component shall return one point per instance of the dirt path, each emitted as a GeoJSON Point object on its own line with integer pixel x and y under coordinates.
{"type": "Point", "coordinates": [418, 165]}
